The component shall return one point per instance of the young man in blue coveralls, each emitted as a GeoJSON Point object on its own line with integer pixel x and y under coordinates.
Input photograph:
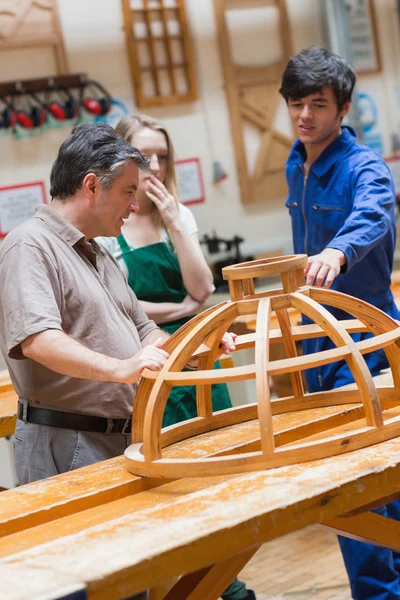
{"type": "Point", "coordinates": [341, 202]}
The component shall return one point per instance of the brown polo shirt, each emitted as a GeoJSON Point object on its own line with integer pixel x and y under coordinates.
{"type": "Point", "coordinates": [51, 278]}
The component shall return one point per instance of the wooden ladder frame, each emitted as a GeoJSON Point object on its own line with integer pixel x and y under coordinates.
{"type": "Point", "coordinates": [243, 85]}
{"type": "Point", "coordinates": [171, 67]}
{"type": "Point", "coordinates": [13, 36]}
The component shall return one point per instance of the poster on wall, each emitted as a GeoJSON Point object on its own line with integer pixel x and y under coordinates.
{"type": "Point", "coordinates": [370, 120]}
{"type": "Point", "coordinates": [17, 204]}
{"type": "Point", "coordinates": [190, 181]}
{"type": "Point", "coordinates": [364, 36]}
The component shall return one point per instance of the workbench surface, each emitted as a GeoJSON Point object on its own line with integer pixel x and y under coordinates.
{"type": "Point", "coordinates": [112, 534]}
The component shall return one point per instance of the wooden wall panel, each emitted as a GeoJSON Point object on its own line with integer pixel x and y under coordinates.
{"type": "Point", "coordinates": [159, 51]}
{"type": "Point", "coordinates": [252, 93]}
{"type": "Point", "coordinates": [32, 23]}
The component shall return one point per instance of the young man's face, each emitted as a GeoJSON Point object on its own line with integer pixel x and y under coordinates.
{"type": "Point", "coordinates": [117, 202]}
{"type": "Point", "coordinates": [316, 117]}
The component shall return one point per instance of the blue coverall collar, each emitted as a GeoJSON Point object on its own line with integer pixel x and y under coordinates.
{"type": "Point", "coordinates": [329, 156]}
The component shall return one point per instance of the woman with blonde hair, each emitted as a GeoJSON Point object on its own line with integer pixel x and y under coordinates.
{"type": "Point", "coordinates": [160, 253]}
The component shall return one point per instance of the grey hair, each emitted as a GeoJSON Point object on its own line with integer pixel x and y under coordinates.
{"type": "Point", "coordinates": [92, 148]}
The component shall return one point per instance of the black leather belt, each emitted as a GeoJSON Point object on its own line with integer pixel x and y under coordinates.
{"type": "Point", "coordinates": [65, 420]}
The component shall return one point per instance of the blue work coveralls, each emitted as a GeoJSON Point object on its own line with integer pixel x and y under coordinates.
{"type": "Point", "coordinates": [347, 202]}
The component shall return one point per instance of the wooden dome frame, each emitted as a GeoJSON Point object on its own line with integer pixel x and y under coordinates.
{"type": "Point", "coordinates": [200, 337]}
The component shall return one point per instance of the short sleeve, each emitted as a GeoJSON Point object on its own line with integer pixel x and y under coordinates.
{"type": "Point", "coordinates": [30, 300]}
{"type": "Point", "coordinates": [188, 220]}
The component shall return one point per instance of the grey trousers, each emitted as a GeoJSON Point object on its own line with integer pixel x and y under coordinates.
{"type": "Point", "coordinates": [42, 452]}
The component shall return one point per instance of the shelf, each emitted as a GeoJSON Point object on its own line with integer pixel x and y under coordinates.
{"type": "Point", "coordinates": [35, 86]}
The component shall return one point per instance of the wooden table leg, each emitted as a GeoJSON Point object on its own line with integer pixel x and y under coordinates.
{"type": "Point", "coordinates": [367, 527]}
{"type": "Point", "coordinates": [160, 591]}
{"type": "Point", "coordinates": [210, 583]}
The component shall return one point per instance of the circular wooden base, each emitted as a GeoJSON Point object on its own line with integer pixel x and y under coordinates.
{"type": "Point", "coordinates": [349, 433]}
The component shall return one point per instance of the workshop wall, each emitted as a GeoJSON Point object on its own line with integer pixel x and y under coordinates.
{"type": "Point", "coordinates": [95, 44]}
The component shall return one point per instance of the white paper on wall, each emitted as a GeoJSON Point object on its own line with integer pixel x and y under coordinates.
{"type": "Point", "coordinates": [190, 181]}
{"type": "Point", "coordinates": [17, 204]}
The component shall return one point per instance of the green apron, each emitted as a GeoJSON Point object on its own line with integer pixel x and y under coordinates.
{"type": "Point", "coordinates": [155, 276]}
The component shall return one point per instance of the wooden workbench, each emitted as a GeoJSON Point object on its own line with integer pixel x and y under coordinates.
{"type": "Point", "coordinates": [112, 534]}
{"type": "Point", "coordinates": [8, 405]}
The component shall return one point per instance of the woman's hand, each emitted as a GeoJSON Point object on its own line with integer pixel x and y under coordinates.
{"type": "Point", "coordinates": [196, 274]}
{"type": "Point", "coordinates": [164, 201]}
{"type": "Point", "coordinates": [191, 306]}
{"type": "Point", "coordinates": [227, 343]}
{"type": "Point", "coordinates": [163, 312]}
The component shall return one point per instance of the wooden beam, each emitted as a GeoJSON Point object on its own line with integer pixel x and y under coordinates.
{"type": "Point", "coordinates": [369, 528]}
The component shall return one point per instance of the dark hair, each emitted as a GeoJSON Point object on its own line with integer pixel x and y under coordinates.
{"type": "Point", "coordinates": [313, 68]}
{"type": "Point", "coordinates": [91, 148]}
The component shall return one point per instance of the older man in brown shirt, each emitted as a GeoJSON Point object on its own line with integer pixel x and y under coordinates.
{"type": "Point", "coordinates": [73, 334]}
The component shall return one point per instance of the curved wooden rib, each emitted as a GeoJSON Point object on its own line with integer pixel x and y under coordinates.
{"type": "Point", "coordinates": [204, 392]}
{"type": "Point", "coordinates": [372, 317]}
{"type": "Point", "coordinates": [146, 385]}
{"type": "Point", "coordinates": [314, 426]}
{"type": "Point", "coordinates": [303, 332]}
{"type": "Point", "coordinates": [382, 340]}
{"type": "Point", "coordinates": [139, 408]}
{"type": "Point", "coordinates": [389, 398]}
{"type": "Point", "coordinates": [290, 348]}
{"type": "Point", "coordinates": [176, 338]}
{"type": "Point", "coordinates": [253, 461]}
{"type": "Point", "coordinates": [285, 365]}
{"type": "Point", "coordinates": [222, 418]}
{"type": "Point", "coordinates": [299, 363]}
{"type": "Point", "coordinates": [262, 382]}
{"type": "Point", "coordinates": [355, 361]}
{"type": "Point", "coordinates": [181, 354]}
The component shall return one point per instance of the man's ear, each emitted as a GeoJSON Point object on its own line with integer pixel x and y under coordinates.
{"type": "Point", "coordinates": [345, 109]}
{"type": "Point", "coordinates": [90, 184]}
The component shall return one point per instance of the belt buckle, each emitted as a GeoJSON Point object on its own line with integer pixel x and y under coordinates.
{"type": "Point", "coordinates": [126, 424]}
{"type": "Point", "coordinates": [25, 405]}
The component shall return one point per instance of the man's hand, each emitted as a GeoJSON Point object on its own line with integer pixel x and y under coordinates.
{"type": "Point", "coordinates": [151, 357]}
{"type": "Point", "coordinates": [59, 352]}
{"type": "Point", "coordinates": [322, 268]}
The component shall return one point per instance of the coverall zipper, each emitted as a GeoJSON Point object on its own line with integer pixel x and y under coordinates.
{"type": "Point", "coordinates": [319, 373]}
{"type": "Point", "coordinates": [304, 212]}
